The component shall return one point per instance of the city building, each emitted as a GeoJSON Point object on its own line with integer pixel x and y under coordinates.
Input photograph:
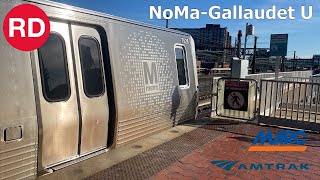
{"type": "Point", "coordinates": [265, 64]}
{"type": "Point", "coordinates": [211, 38]}
{"type": "Point", "coordinates": [316, 61]}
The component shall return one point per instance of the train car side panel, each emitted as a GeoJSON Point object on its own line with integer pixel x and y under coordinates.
{"type": "Point", "coordinates": [148, 93]}
{"type": "Point", "coordinates": [18, 120]}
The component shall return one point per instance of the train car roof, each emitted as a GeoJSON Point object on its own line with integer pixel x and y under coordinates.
{"type": "Point", "coordinates": [103, 15]}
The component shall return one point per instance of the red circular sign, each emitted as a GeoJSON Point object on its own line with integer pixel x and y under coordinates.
{"type": "Point", "coordinates": [26, 27]}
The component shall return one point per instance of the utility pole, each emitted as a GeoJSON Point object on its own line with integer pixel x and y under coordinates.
{"type": "Point", "coordinates": [282, 64]}
{"type": "Point", "coordinates": [167, 21]}
{"type": "Point", "coordinates": [239, 44]}
{"type": "Point", "coordinates": [249, 31]}
{"type": "Point", "coordinates": [312, 68]}
{"type": "Point", "coordinates": [253, 70]}
{"type": "Point", "coordinates": [245, 41]}
{"type": "Point", "coordinates": [235, 47]}
{"type": "Point", "coordinates": [294, 65]}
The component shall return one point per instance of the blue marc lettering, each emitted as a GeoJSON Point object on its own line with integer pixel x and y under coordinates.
{"type": "Point", "coordinates": [303, 141]}
{"type": "Point", "coordinates": [263, 138]}
{"type": "Point", "coordinates": [282, 137]}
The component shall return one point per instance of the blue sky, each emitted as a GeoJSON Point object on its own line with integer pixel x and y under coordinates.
{"type": "Point", "coordinates": [303, 34]}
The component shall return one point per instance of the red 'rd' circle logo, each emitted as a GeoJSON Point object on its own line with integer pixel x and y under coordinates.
{"type": "Point", "coordinates": [26, 27]}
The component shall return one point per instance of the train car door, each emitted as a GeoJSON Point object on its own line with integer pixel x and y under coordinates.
{"type": "Point", "coordinates": [92, 88]}
{"type": "Point", "coordinates": [58, 106]}
{"type": "Point", "coordinates": [73, 102]}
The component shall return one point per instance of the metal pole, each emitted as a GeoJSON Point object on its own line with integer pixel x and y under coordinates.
{"type": "Point", "coordinates": [245, 41]}
{"type": "Point", "coordinates": [294, 62]}
{"type": "Point", "coordinates": [239, 44]}
{"type": "Point", "coordinates": [282, 64]}
{"type": "Point", "coordinates": [235, 47]}
{"type": "Point", "coordinates": [254, 56]}
{"type": "Point", "coordinates": [167, 21]}
{"type": "Point", "coordinates": [312, 68]}
{"type": "Point", "coordinates": [277, 68]}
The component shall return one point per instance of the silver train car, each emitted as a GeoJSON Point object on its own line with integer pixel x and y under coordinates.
{"type": "Point", "coordinates": [97, 83]}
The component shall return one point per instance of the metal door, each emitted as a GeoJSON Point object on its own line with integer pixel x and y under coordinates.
{"type": "Point", "coordinates": [73, 104]}
{"type": "Point", "coordinates": [91, 88]}
{"type": "Point", "coordinates": [57, 98]}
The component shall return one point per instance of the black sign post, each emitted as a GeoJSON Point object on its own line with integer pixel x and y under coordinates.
{"type": "Point", "coordinates": [236, 95]}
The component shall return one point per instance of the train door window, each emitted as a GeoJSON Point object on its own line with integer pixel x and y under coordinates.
{"type": "Point", "coordinates": [90, 57]}
{"type": "Point", "coordinates": [181, 66]}
{"type": "Point", "coordinates": [54, 69]}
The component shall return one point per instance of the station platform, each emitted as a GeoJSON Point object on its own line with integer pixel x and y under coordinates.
{"type": "Point", "coordinates": [199, 149]}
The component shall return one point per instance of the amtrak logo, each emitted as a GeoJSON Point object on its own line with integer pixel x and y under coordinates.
{"type": "Point", "coordinates": [226, 165]}
{"type": "Point", "coordinates": [151, 79]}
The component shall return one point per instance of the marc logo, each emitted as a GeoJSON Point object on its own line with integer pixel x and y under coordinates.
{"type": "Point", "coordinates": [150, 73]}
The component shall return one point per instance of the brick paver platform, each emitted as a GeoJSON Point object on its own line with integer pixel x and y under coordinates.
{"type": "Point", "coordinates": [189, 157]}
{"type": "Point", "coordinates": [233, 146]}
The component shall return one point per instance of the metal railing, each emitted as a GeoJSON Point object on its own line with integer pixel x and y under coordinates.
{"type": "Point", "coordinates": [207, 98]}
{"type": "Point", "coordinates": [291, 102]}
{"type": "Point", "coordinates": [301, 74]}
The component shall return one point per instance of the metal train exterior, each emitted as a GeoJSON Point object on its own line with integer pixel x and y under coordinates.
{"type": "Point", "coordinates": [97, 83]}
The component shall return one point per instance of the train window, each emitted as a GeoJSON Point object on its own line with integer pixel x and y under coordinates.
{"type": "Point", "coordinates": [90, 57]}
{"type": "Point", "coordinates": [181, 66]}
{"type": "Point", "coordinates": [54, 69]}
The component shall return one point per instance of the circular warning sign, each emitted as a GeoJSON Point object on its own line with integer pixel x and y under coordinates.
{"type": "Point", "coordinates": [26, 27]}
{"type": "Point", "coordinates": [235, 100]}
{"type": "Point", "coordinates": [236, 95]}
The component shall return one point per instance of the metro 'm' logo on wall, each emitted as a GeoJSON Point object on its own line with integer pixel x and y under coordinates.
{"type": "Point", "coordinates": [26, 27]}
{"type": "Point", "coordinates": [151, 80]}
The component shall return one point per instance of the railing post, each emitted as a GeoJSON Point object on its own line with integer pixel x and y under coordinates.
{"type": "Point", "coordinates": [212, 96]}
